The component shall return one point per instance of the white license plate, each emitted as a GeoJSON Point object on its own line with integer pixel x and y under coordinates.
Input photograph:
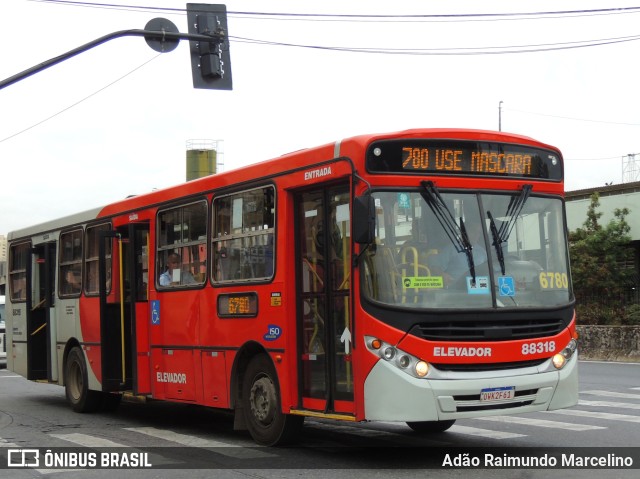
{"type": "Point", "coordinates": [498, 394]}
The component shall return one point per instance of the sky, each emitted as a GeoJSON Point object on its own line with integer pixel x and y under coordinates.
{"type": "Point", "coordinates": [115, 121]}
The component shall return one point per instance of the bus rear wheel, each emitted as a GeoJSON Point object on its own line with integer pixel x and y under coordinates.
{"type": "Point", "coordinates": [76, 384]}
{"type": "Point", "coordinates": [431, 427]}
{"type": "Point", "coordinates": [266, 422]}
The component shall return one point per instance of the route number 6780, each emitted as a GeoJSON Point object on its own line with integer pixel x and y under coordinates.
{"type": "Point", "coordinates": [551, 280]}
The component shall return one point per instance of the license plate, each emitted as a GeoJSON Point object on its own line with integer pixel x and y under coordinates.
{"type": "Point", "coordinates": [498, 394]}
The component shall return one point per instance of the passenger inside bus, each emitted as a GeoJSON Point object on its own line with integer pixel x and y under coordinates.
{"type": "Point", "coordinates": [174, 275]}
{"type": "Point", "coordinates": [72, 282]}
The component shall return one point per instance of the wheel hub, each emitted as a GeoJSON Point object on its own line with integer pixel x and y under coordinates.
{"type": "Point", "coordinates": [263, 400]}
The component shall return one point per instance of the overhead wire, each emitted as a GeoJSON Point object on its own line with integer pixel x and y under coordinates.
{"type": "Point", "coordinates": [448, 51]}
{"type": "Point", "coordinates": [572, 118]}
{"type": "Point", "coordinates": [369, 17]}
{"type": "Point", "coordinates": [44, 120]}
{"type": "Point", "coordinates": [451, 51]}
{"type": "Point", "coordinates": [444, 51]}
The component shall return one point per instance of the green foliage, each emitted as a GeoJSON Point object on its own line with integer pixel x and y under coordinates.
{"type": "Point", "coordinates": [599, 255]}
{"type": "Point", "coordinates": [632, 316]}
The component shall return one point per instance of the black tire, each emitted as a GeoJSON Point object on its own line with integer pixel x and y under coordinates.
{"type": "Point", "coordinates": [76, 384]}
{"type": "Point", "coordinates": [266, 422]}
{"type": "Point", "coordinates": [431, 427]}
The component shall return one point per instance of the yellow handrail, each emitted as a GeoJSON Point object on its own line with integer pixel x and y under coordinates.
{"type": "Point", "coordinates": [120, 265]}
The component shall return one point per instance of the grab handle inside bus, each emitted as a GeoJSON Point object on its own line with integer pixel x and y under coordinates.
{"type": "Point", "coordinates": [364, 219]}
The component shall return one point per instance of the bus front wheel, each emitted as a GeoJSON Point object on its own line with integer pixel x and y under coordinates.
{"type": "Point", "coordinates": [76, 384]}
{"type": "Point", "coordinates": [266, 422]}
{"type": "Point", "coordinates": [431, 427]}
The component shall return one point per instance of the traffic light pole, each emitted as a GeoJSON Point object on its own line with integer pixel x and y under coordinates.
{"type": "Point", "coordinates": [159, 40]}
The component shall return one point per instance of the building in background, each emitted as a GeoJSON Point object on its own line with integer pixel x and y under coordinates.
{"type": "Point", "coordinates": [612, 197]}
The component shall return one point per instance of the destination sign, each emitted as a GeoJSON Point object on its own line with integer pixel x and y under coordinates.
{"type": "Point", "coordinates": [451, 157]}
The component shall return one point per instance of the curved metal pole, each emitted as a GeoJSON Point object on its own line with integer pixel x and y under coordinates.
{"type": "Point", "coordinates": [149, 34]}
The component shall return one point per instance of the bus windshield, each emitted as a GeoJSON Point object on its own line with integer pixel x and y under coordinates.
{"type": "Point", "coordinates": [445, 249]}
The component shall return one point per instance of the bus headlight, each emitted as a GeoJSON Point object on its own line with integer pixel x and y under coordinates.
{"type": "Point", "coordinates": [422, 369]}
{"type": "Point", "coordinates": [406, 362]}
{"type": "Point", "coordinates": [560, 359]}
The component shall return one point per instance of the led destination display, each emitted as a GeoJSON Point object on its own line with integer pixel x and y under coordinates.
{"type": "Point", "coordinates": [451, 157]}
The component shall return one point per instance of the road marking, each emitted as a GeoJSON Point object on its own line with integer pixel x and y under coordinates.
{"type": "Point", "coordinates": [82, 440]}
{"type": "Point", "coordinates": [621, 405]}
{"type": "Point", "coordinates": [224, 448]}
{"type": "Point", "coordinates": [607, 416]}
{"type": "Point", "coordinates": [93, 441]}
{"type": "Point", "coordinates": [527, 421]}
{"type": "Point", "coordinates": [86, 440]}
{"type": "Point", "coordinates": [475, 431]}
{"type": "Point", "coordinates": [612, 394]}
{"type": "Point", "coordinates": [5, 443]}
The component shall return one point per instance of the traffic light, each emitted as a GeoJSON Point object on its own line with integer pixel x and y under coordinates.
{"type": "Point", "coordinates": [210, 61]}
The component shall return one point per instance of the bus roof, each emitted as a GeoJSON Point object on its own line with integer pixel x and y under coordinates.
{"type": "Point", "coordinates": [265, 169]}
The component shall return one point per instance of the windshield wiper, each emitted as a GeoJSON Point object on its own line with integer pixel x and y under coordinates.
{"type": "Point", "coordinates": [497, 243]}
{"type": "Point", "coordinates": [513, 211]}
{"type": "Point", "coordinates": [456, 233]}
{"type": "Point", "coordinates": [468, 250]}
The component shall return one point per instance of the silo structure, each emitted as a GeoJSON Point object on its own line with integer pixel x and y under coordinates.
{"type": "Point", "coordinates": [202, 158]}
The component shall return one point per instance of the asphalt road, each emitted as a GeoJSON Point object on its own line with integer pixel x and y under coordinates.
{"type": "Point", "coordinates": [189, 441]}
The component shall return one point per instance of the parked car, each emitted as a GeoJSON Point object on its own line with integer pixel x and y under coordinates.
{"type": "Point", "coordinates": [3, 338]}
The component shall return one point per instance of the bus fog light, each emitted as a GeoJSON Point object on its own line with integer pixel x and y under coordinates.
{"type": "Point", "coordinates": [389, 353]}
{"type": "Point", "coordinates": [422, 369]}
{"type": "Point", "coordinates": [404, 361]}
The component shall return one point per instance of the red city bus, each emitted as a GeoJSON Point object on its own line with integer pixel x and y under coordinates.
{"type": "Point", "coordinates": [420, 276]}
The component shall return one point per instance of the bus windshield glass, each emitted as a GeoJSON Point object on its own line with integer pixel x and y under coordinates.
{"type": "Point", "coordinates": [441, 249]}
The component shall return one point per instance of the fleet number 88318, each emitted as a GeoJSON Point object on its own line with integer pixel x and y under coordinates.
{"type": "Point", "coordinates": [538, 348]}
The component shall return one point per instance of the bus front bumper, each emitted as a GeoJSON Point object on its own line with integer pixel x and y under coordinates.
{"type": "Point", "coordinates": [392, 395]}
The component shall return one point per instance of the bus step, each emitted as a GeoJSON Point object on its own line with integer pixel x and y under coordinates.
{"type": "Point", "coordinates": [318, 414]}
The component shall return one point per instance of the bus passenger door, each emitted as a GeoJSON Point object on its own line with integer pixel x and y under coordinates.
{"type": "Point", "coordinates": [137, 272]}
{"type": "Point", "coordinates": [41, 315]}
{"type": "Point", "coordinates": [124, 310]}
{"type": "Point", "coordinates": [324, 274]}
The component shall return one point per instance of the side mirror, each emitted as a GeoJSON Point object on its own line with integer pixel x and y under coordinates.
{"type": "Point", "coordinates": [364, 219]}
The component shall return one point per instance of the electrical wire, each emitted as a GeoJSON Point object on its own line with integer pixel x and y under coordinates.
{"type": "Point", "coordinates": [487, 50]}
{"type": "Point", "coordinates": [79, 101]}
{"type": "Point", "coordinates": [445, 51]}
{"type": "Point", "coordinates": [572, 118]}
{"type": "Point", "coordinates": [370, 17]}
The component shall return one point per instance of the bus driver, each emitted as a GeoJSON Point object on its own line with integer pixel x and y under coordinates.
{"type": "Point", "coordinates": [173, 275]}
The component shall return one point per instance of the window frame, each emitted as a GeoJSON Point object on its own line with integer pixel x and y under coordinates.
{"type": "Point", "coordinates": [164, 249]}
{"type": "Point", "coordinates": [91, 260]}
{"type": "Point", "coordinates": [219, 236]}
{"type": "Point", "coordinates": [16, 272]}
{"type": "Point", "coordinates": [66, 264]}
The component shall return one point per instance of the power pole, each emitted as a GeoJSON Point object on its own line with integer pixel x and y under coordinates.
{"type": "Point", "coordinates": [630, 169]}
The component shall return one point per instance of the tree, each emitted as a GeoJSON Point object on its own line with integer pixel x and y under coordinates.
{"type": "Point", "coordinates": [599, 258]}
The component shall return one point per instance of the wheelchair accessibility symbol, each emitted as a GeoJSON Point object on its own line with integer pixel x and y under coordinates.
{"type": "Point", "coordinates": [506, 286]}
{"type": "Point", "coordinates": [155, 312]}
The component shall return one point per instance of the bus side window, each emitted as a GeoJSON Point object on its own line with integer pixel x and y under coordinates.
{"type": "Point", "coordinates": [70, 265]}
{"type": "Point", "coordinates": [182, 246]}
{"type": "Point", "coordinates": [243, 236]}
